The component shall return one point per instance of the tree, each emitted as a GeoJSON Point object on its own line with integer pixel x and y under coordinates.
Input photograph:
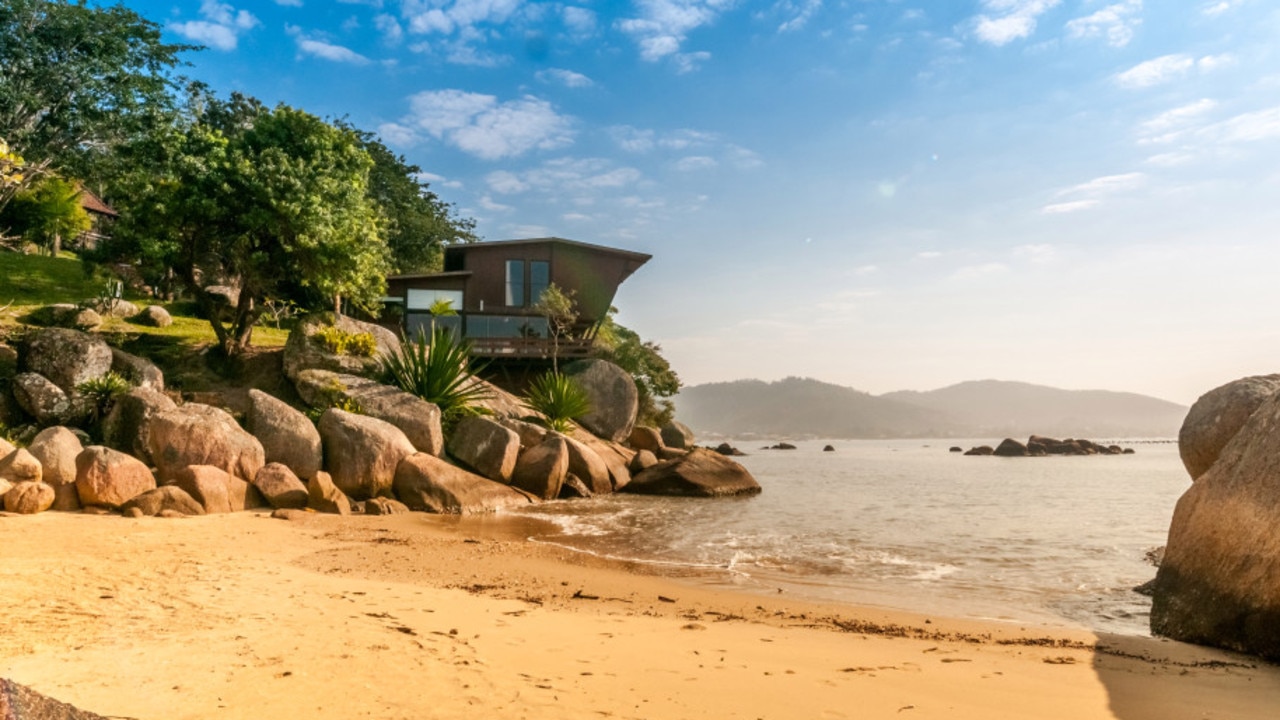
{"type": "Point", "coordinates": [273, 200]}
{"type": "Point", "coordinates": [12, 172]}
{"type": "Point", "coordinates": [655, 379]}
{"type": "Point", "coordinates": [77, 80]}
{"type": "Point", "coordinates": [561, 312]}
{"type": "Point", "coordinates": [46, 214]}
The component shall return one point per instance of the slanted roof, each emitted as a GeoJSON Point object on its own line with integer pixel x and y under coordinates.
{"type": "Point", "coordinates": [629, 254]}
{"type": "Point", "coordinates": [94, 204]}
{"type": "Point", "coordinates": [430, 276]}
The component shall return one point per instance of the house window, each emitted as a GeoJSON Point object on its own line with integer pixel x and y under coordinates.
{"type": "Point", "coordinates": [539, 278]}
{"type": "Point", "coordinates": [515, 283]}
{"type": "Point", "coordinates": [424, 299]}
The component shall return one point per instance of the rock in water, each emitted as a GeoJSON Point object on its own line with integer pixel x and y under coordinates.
{"type": "Point", "coordinates": [1010, 448]}
{"type": "Point", "coordinates": [1217, 416]}
{"type": "Point", "coordinates": [1219, 581]}
{"type": "Point", "coordinates": [677, 435]}
{"type": "Point", "coordinates": [701, 473]}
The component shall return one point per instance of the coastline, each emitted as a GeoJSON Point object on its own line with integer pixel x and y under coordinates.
{"type": "Point", "coordinates": [243, 616]}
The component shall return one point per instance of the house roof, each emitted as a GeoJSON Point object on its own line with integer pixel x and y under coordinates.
{"type": "Point", "coordinates": [94, 204]}
{"type": "Point", "coordinates": [639, 257]}
{"type": "Point", "coordinates": [424, 276]}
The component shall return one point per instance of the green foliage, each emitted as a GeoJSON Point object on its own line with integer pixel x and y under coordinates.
{"type": "Point", "coordinates": [559, 399]}
{"type": "Point", "coordinates": [436, 371]}
{"type": "Point", "coordinates": [561, 312]}
{"type": "Point", "coordinates": [341, 342]}
{"type": "Point", "coordinates": [46, 214]}
{"type": "Point", "coordinates": [102, 392]}
{"type": "Point", "coordinates": [655, 379]}
{"type": "Point", "coordinates": [334, 395]}
{"type": "Point", "coordinates": [12, 172]}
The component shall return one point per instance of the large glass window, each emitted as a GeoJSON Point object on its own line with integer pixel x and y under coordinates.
{"type": "Point", "coordinates": [515, 283]}
{"type": "Point", "coordinates": [539, 279]}
{"type": "Point", "coordinates": [506, 326]}
{"type": "Point", "coordinates": [424, 299]}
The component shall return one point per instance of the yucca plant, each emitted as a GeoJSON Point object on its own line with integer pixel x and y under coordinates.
{"type": "Point", "coordinates": [102, 392]}
{"type": "Point", "coordinates": [559, 399]}
{"type": "Point", "coordinates": [436, 371]}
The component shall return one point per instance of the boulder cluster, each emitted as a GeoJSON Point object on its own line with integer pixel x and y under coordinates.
{"type": "Point", "coordinates": [1219, 581]}
{"type": "Point", "coordinates": [160, 457]}
{"type": "Point", "coordinates": [1040, 446]}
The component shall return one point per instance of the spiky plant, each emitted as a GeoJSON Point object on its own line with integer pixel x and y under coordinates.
{"type": "Point", "coordinates": [102, 392]}
{"type": "Point", "coordinates": [559, 399]}
{"type": "Point", "coordinates": [437, 371]}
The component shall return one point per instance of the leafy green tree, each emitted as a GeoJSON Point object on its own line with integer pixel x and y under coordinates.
{"type": "Point", "coordinates": [46, 214]}
{"type": "Point", "coordinates": [12, 172]}
{"type": "Point", "coordinates": [77, 79]}
{"type": "Point", "coordinates": [274, 200]}
{"type": "Point", "coordinates": [655, 380]}
{"type": "Point", "coordinates": [561, 312]}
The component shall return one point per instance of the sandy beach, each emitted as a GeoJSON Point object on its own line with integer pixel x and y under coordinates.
{"type": "Point", "coordinates": [245, 616]}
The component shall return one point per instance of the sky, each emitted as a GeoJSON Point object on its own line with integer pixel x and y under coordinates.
{"type": "Point", "coordinates": [882, 194]}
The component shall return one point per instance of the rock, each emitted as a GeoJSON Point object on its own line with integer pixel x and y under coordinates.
{"type": "Point", "coordinates": [613, 395]}
{"type": "Point", "coordinates": [589, 467]}
{"type": "Point", "coordinates": [616, 457]}
{"type": "Point", "coordinates": [541, 469]}
{"type": "Point", "coordinates": [113, 307]}
{"type": "Point", "coordinates": [644, 437]}
{"type": "Point", "coordinates": [110, 478]}
{"type": "Point", "coordinates": [418, 419]}
{"type": "Point", "coordinates": [301, 352]}
{"type": "Point", "coordinates": [139, 371]}
{"type": "Point", "coordinates": [781, 446]}
{"type": "Point", "coordinates": [828, 448]}
{"type": "Point", "coordinates": [56, 448]}
{"type": "Point", "coordinates": [66, 316]}
{"type": "Point", "coordinates": [18, 702]}
{"type": "Point", "coordinates": [153, 316]}
{"type": "Point", "coordinates": [425, 482]}
{"type": "Point", "coordinates": [1128, 451]}
{"type": "Point", "coordinates": [1147, 588]}
{"type": "Point", "coordinates": [573, 488]}
{"type": "Point", "coordinates": [701, 473]}
{"type": "Point", "coordinates": [8, 361]}
{"type": "Point", "coordinates": [1218, 581]}
{"type": "Point", "coordinates": [127, 426]}
{"type": "Point", "coordinates": [6, 447]}
{"type": "Point", "coordinates": [224, 297]}
{"type": "Point", "coordinates": [530, 434]}
{"type": "Point", "coordinates": [196, 434]}
{"type": "Point", "coordinates": [981, 450]}
{"type": "Point", "coordinates": [288, 514]}
{"type": "Point", "coordinates": [1010, 448]}
{"type": "Point", "coordinates": [280, 486]}
{"type": "Point", "coordinates": [955, 448]}
{"type": "Point", "coordinates": [168, 499]}
{"type": "Point", "coordinates": [486, 447]}
{"type": "Point", "coordinates": [29, 498]}
{"type": "Point", "coordinates": [384, 506]}
{"type": "Point", "coordinates": [288, 437]}
{"type": "Point", "coordinates": [67, 358]}
{"type": "Point", "coordinates": [42, 399]}
{"type": "Point", "coordinates": [216, 490]}
{"type": "Point", "coordinates": [676, 453]}
{"type": "Point", "coordinates": [724, 449]}
{"type": "Point", "coordinates": [323, 496]}
{"type": "Point", "coordinates": [1217, 416]}
{"type": "Point", "coordinates": [361, 452]}
{"type": "Point", "coordinates": [676, 434]}
{"type": "Point", "coordinates": [5, 487]}
{"type": "Point", "coordinates": [20, 466]}
{"type": "Point", "coordinates": [642, 461]}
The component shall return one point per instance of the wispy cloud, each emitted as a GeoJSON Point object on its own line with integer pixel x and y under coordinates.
{"type": "Point", "coordinates": [1091, 194]}
{"type": "Point", "coordinates": [221, 27]}
{"type": "Point", "coordinates": [564, 175]}
{"type": "Point", "coordinates": [579, 21]}
{"type": "Point", "coordinates": [798, 13]}
{"type": "Point", "coordinates": [568, 78]}
{"type": "Point", "coordinates": [1004, 21]}
{"type": "Point", "coordinates": [392, 33]}
{"type": "Point", "coordinates": [662, 26]}
{"type": "Point", "coordinates": [1171, 125]}
{"type": "Point", "coordinates": [481, 125]}
{"type": "Point", "coordinates": [694, 163]}
{"type": "Point", "coordinates": [313, 47]}
{"type": "Point", "coordinates": [1218, 7]}
{"type": "Point", "coordinates": [1115, 22]}
{"type": "Point", "coordinates": [1247, 127]}
{"type": "Point", "coordinates": [289, 3]}
{"type": "Point", "coordinates": [450, 16]}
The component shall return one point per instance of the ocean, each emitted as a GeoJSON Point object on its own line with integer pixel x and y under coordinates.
{"type": "Point", "coordinates": [905, 524]}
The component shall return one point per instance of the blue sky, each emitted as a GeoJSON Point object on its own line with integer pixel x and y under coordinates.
{"type": "Point", "coordinates": [878, 193]}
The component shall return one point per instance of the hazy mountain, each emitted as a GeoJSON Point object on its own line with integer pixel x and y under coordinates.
{"type": "Point", "coordinates": [988, 408]}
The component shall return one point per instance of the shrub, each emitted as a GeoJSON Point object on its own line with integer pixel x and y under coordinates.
{"type": "Point", "coordinates": [340, 342]}
{"type": "Point", "coordinates": [102, 392]}
{"type": "Point", "coordinates": [559, 399]}
{"type": "Point", "coordinates": [361, 344]}
{"type": "Point", "coordinates": [334, 395]}
{"type": "Point", "coordinates": [436, 371]}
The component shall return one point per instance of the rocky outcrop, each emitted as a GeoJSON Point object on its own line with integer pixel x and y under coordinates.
{"type": "Point", "coordinates": [168, 499]}
{"type": "Point", "coordinates": [644, 437]}
{"type": "Point", "coordinates": [676, 434]}
{"type": "Point", "coordinates": [362, 452]}
{"type": "Point", "coordinates": [303, 352]}
{"type": "Point", "coordinates": [418, 419]}
{"type": "Point", "coordinates": [1216, 418]}
{"type": "Point", "coordinates": [20, 466]}
{"type": "Point", "coordinates": [613, 395]}
{"type": "Point", "coordinates": [541, 469]}
{"type": "Point", "coordinates": [323, 496]}
{"type": "Point", "coordinates": [139, 371]}
{"type": "Point", "coordinates": [642, 461]}
{"type": "Point", "coordinates": [28, 498]}
{"type": "Point", "coordinates": [66, 357]}
{"type": "Point", "coordinates": [280, 487]}
{"type": "Point", "coordinates": [701, 473]}
{"type": "Point", "coordinates": [153, 316]}
{"type": "Point", "coordinates": [110, 478]}
{"type": "Point", "coordinates": [196, 434]}
{"type": "Point", "coordinates": [980, 450]}
{"type": "Point", "coordinates": [384, 506]}
{"type": "Point", "coordinates": [486, 447]}
{"type": "Point", "coordinates": [589, 467]}
{"type": "Point", "coordinates": [288, 437]}
{"type": "Point", "coordinates": [1010, 448]}
{"type": "Point", "coordinates": [425, 482]}
{"type": "Point", "coordinates": [57, 448]}
{"type": "Point", "coordinates": [1219, 579]}
{"type": "Point", "coordinates": [42, 399]}
{"type": "Point", "coordinates": [216, 490]}
{"type": "Point", "coordinates": [127, 426]}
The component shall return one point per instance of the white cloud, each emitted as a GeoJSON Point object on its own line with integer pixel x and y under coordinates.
{"type": "Point", "coordinates": [1115, 22]}
{"type": "Point", "coordinates": [694, 163]}
{"type": "Point", "coordinates": [1090, 194]}
{"type": "Point", "coordinates": [447, 16]}
{"type": "Point", "coordinates": [575, 217]}
{"type": "Point", "coordinates": [1209, 63]}
{"type": "Point", "coordinates": [1067, 207]}
{"type": "Point", "coordinates": [489, 204]}
{"type": "Point", "coordinates": [290, 3]}
{"type": "Point", "coordinates": [568, 78]}
{"type": "Point", "coordinates": [392, 33]}
{"type": "Point", "coordinates": [397, 134]}
{"type": "Point", "coordinates": [506, 182]}
{"type": "Point", "coordinates": [663, 25]}
{"type": "Point", "coordinates": [222, 27]}
{"type": "Point", "coordinates": [324, 50]}
{"type": "Point", "coordinates": [1218, 7]}
{"type": "Point", "coordinates": [1248, 127]}
{"type": "Point", "coordinates": [633, 139]}
{"type": "Point", "coordinates": [584, 176]}
{"type": "Point", "coordinates": [580, 21]}
{"type": "Point", "coordinates": [800, 12]}
{"type": "Point", "coordinates": [1173, 124]}
{"type": "Point", "coordinates": [1156, 72]}
{"type": "Point", "coordinates": [482, 126]}
{"type": "Point", "coordinates": [1009, 20]}
{"type": "Point", "coordinates": [1171, 159]}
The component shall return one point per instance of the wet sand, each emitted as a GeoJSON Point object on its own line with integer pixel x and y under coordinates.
{"type": "Point", "coordinates": [244, 616]}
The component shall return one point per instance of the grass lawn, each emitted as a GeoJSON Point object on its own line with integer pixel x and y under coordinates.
{"type": "Point", "coordinates": [35, 280]}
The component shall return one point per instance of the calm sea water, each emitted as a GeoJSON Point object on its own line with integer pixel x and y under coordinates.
{"type": "Point", "coordinates": [908, 525]}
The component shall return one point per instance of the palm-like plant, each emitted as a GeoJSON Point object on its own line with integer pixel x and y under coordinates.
{"type": "Point", "coordinates": [559, 399]}
{"type": "Point", "coordinates": [436, 371]}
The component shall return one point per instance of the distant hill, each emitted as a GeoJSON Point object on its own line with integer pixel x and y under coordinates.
{"type": "Point", "coordinates": [989, 408]}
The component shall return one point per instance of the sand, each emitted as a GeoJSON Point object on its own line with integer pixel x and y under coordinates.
{"type": "Point", "coordinates": [245, 616]}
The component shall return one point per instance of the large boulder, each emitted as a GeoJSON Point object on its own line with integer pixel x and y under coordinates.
{"type": "Point", "coordinates": [677, 435]}
{"type": "Point", "coordinates": [701, 473]}
{"type": "Point", "coordinates": [42, 399]}
{"type": "Point", "coordinates": [166, 499]}
{"type": "Point", "coordinates": [486, 447]}
{"type": "Point", "coordinates": [323, 496]}
{"type": "Point", "coordinates": [303, 352]}
{"type": "Point", "coordinates": [153, 316]}
{"type": "Point", "coordinates": [1217, 416]}
{"type": "Point", "coordinates": [196, 434]}
{"type": "Point", "coordinates": [425, 482]}
{"type": "Point", "coordinates": [110, 478]}
{"type": "Point", "coordinates": [216, 490]}
{"type": "Point", "coordinates": [280, 486]}
{"type": "Point", "coordinates": [20, 466]}
{"type": "Point", "coordinates": [361, 452]}
{"type": "Point", "coordinates": [66, 315]}
{"type": "Point", "coordinates": [66, 357]}
{"type": "Point", "coordinates": [614, 398]}
{"type": "Point", "coordinates": [530, 434]}
{"type": "Point", "coordinates": [127, 426]}
{"type": "Point", "coordinates": [111, 307]}
{"type": "Point", "coordinates": [617, 458]}
{"type": "Point", "coordinates": [541, 469]}
{"type": "Point", "coordinates": [1010, 448]}
{"type": "Point", "coordinates": [644, 437]}
{"type": "Point", "coordinates": [1219, 582]}
{"type": "Point", "coordinates": [589, 467]}
{"type": "Point", "coordinates": [137, 370]}
{"type": "Point", "coordinates": [57, 448]}
{"type": "Point", "coordinates": [288, 437]}
{"type": "Point", "coordinates": [29, 498]}
{"type": "Point", "coordinates": [418, 419]}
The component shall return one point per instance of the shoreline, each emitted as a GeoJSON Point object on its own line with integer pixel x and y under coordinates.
{"type": "Point", "coordinates": [415, 616]}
